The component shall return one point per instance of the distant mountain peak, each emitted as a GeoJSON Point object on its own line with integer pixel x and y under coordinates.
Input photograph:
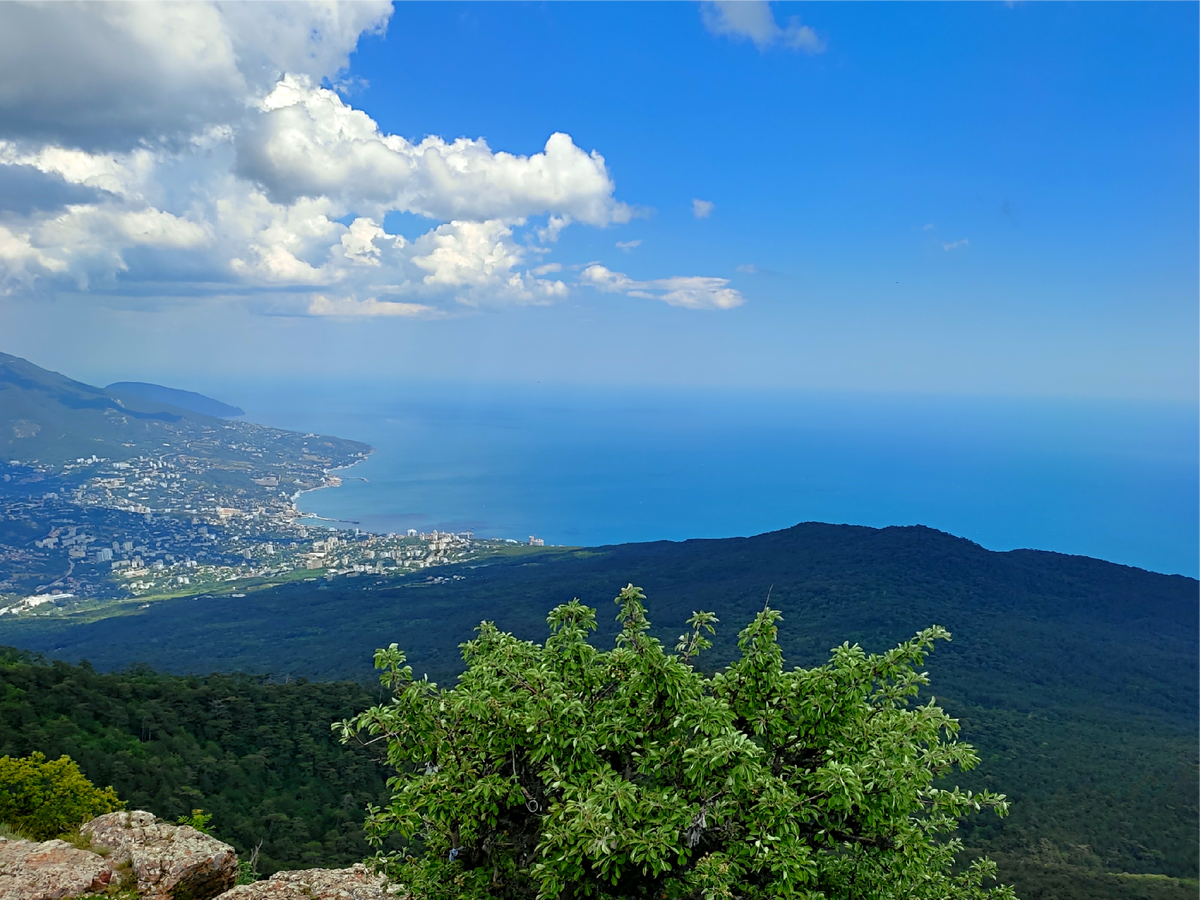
{"type": "Point", "coordinates": [48, 417]}
{"type": "Point", "coordinates": [188, 400]}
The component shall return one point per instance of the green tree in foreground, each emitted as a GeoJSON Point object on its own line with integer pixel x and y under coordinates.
{"type": "Point", "coordinates": [560, 771]}
{"type": "Point", "coordinates": [42, 798]}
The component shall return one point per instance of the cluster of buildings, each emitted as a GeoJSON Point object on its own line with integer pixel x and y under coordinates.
{"type": "Point", "coordinates": [99, 529]}
{"type": "Point", "coordinates": [214, 508]}
{"type": "Point", "coordinates": [380, 554]}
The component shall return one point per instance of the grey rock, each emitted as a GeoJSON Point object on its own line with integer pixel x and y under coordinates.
{"type": "Point", "coordinates": [170, 862]}
{"type": "Point", "coordinates": [355, 883]}
{"type": "Point", "coordinates": [50, 870]}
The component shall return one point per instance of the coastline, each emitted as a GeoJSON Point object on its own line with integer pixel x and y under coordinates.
{"type": "Point", "coordinates": [298, 513]}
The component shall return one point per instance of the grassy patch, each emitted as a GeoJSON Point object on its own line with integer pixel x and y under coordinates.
{"type": "Point", "coordinates": [11, 834]}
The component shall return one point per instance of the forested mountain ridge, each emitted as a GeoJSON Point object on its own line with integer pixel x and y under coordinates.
{"type": "Point", "coordinates": [50, 418]}
{"type": "Point", "coordinates": [1075, 678]}
{"type": "Point", "coordinates": [175, 397]}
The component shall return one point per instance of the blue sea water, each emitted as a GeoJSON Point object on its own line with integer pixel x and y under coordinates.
{"type": "Point", "coordinates": [1118, 481]}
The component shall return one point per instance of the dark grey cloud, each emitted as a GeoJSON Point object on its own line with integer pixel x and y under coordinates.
{"type": "Point", "coordinates": [25, 190]}
{"type": "Point", "coordinates": [113, 76]}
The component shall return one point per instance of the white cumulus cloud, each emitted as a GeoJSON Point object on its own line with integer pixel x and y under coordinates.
{"type": "Point", "coordinates": [358, 243]}
{"type": "Point", "coordinates": [702, 209]}
{"type": "Point", "coordinates": [753, 20]}
{"type": "Point", "coordinates": [480, 261]}
{"type": "Point", "coordinates": [372, 307]}
{"type": "Point", "coordinates": [691, 292]}
{"type": "Point", "coordinates": [199, 146]}
{"type": "Point", "coordinates": [20, 261]}
{"type": "Point", "coordinates": [308, 142]}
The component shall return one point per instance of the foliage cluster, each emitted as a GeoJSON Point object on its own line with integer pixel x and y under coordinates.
{"type": "Point", "coordinates": [257, 756]}
{"type": "Point", "coordinates": [197, 819]}
{"type": "Point", "coordinates": [42, 798]}
{"type": "Point", "coordinates": [557, 770]}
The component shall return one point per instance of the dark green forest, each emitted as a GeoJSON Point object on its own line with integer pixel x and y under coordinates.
{"type": "Point", "coordinates": [257, 755]}
{"type": "Point", "coordinates": [1074, 678]}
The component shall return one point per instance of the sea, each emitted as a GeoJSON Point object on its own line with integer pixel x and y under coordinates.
{"type": "Point", "coordinates": [593, 466]}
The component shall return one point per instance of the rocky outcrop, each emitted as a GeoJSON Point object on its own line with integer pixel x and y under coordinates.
{"type": "Point", "coordinates": [51, 870]}
{"type": "Point", "coordinates": [170, 862]}
{"type": "Point", "coordinates": [355, 883]}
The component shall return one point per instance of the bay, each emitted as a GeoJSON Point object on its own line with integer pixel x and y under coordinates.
{"type": "Point", "coordinates": [590, 466]}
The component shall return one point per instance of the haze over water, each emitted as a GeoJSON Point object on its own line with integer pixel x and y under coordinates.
{"type": "Point", "coordinates": [589, 467]}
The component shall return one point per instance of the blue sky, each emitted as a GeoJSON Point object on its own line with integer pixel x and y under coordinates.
{"type": "Point", "coordinates": [970, 199]}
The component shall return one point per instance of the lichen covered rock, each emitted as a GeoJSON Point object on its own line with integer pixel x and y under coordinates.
{"type": "Point", "coordinates": [50, 870]}
{"type": "Point", "coordinates": [170, 862]}
{"type": "Point", "coordinates": [355, 883]}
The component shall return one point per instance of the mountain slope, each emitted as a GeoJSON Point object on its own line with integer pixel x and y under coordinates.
{"type": "Point", "coordinates": [258, 757]}
{"type": "Point", "coordinates": [1078, 619]}
{"type": "Point", "coordinates": [189, 400]}
{"type": "Point", "coordinates": [1075, 678]}
{"type": "Point", "coordinates": [50, 418]}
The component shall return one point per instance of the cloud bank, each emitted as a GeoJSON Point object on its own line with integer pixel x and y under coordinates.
{"type": "Point", "coordinates": [204, 147]}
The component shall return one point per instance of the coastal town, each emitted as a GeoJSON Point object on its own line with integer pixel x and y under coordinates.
{"type": "Point", "coordinates": [178, 522]}
{"type": "Point", "coordinates": [111, 497]}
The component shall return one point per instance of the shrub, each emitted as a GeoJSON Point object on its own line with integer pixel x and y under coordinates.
{"type": "Point", "coordinates": [43, 798]}
{"type": "Point", "coordinates": [248, 868]}
{"type": "Point", "coordinates": [558, 770]}
{"type": "Point", "coordinates": [199, 820]}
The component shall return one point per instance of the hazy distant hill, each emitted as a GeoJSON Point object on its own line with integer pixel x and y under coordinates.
{"type": "Point", "coordinates": [47, 416]}
{"type": "Point", "coordinates": [50, 418]}
{"type": "Point", "coordinates": [1076, 678]}
{"type": "Point", "coordinates": [174, 397]}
